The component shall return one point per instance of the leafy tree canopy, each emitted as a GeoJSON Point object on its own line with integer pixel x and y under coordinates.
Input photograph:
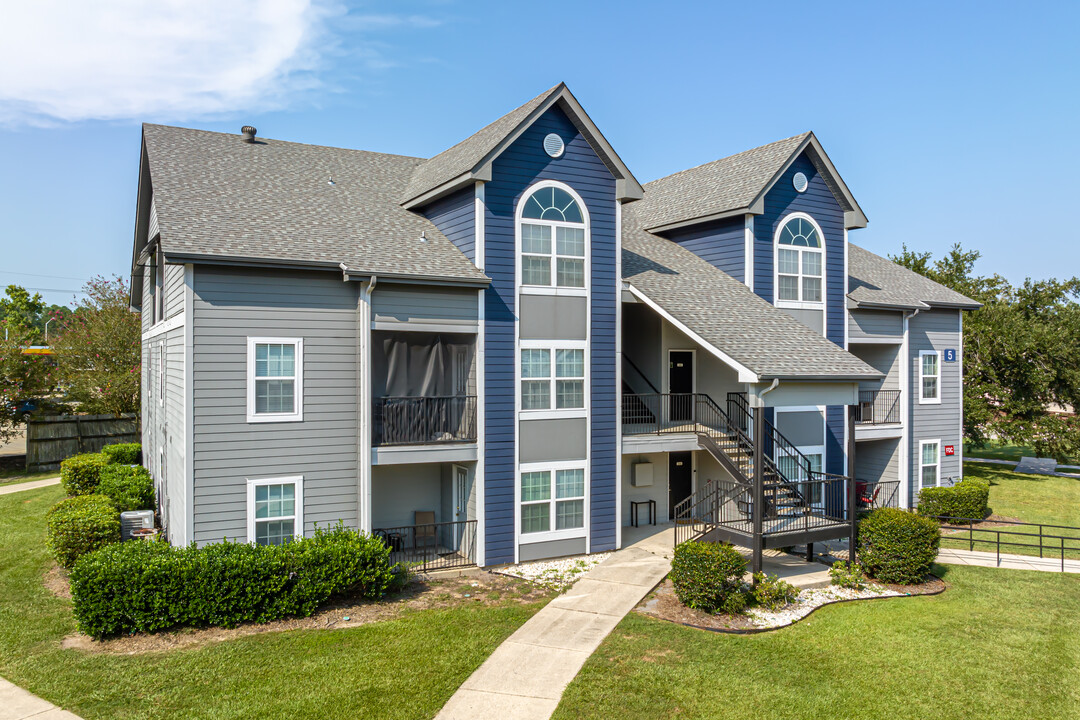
{"type": "Point", "coordinates": [1021, 353]}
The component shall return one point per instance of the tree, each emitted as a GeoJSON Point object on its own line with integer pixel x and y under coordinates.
{"type": "Point", "coordinates": [98, 350]}
{"type": "Point", "coordinates": [1020, 353]}
{"type": "Point", "coordinates": [23, 378]}
{"type": "Point", "coordinates": [24, 310]}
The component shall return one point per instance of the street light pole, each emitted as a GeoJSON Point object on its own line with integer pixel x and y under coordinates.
{"type": "Point", "coordinates": [47, 329]}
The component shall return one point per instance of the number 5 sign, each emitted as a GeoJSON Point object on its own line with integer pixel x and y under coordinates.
{"type": "Point", "coordinates": [950, 355]}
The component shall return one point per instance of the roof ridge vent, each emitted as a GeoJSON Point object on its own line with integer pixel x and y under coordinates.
{"type": "Point", "coordinates": [248, 132]}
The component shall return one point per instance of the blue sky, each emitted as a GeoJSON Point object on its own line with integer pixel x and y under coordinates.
{"type": "Point", "coordinates": [950, 122]}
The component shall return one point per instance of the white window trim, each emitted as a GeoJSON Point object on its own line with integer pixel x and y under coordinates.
{"type": "Point", "coordinates": [528, 538]}
{"type": "Point", "coordinates": [519, 219]}
{"type": "Point", "coordinates": [158, 265]}
{"type": "Point", "coordinates": [925, 400]}
{"type": "Point", "coordinates": [161, 374]}
{"type": "Point", "coordinates": [298, 509]}
{"type": "Point", "coordinates": [937, 465]}
{"type": "Point", "coordinates": [298, 414]}
{"type": "Point", "coordinates": [799, 304]}
{"type": "Point", "coordinates": [551, 346]}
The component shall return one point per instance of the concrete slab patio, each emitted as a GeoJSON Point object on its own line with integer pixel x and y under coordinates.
{"type": "Point", "coordinates": [18, 704]}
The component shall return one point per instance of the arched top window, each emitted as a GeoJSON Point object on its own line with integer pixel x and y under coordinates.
{"type": "Point", "coordinates": [554, 239]}
{"type": "Point", "coordinates": [552, 203]}
{"type": "Point", "coordinates": [799, 261]}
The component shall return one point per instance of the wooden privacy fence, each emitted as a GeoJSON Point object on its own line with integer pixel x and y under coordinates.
{"type": "Point", "coordinates": [50, 439]}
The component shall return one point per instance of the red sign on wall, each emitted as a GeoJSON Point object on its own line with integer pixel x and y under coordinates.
{"type": "Point", "coordinates": [950, 449]}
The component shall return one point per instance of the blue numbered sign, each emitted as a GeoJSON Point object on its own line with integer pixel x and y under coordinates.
{"type": "Point", "coordinates": [950, 355]}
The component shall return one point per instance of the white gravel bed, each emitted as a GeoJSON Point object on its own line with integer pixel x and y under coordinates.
{"type": "Point", "coordinates": [555, 574]}
{"type": "Point", "coordinates": [808, 600]}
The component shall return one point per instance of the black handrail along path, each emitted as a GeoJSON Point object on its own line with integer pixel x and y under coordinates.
{"type": "Point", "coordinates": [1047, 542]}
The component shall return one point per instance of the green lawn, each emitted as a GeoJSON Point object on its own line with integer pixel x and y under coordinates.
{"type": "Point", "coordinates": [997, 644]}
{"type": "Point", "coordinates": [404, 668]}
{"type": "Point", "coordinates": [9, 477]}
{"type": "Point", "coordinates": [1003, 452]}
{"type": "Point", "coordinates": [1030, 498]}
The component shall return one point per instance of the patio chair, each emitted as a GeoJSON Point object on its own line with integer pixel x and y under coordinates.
{"type": "Point", "coordinates": [864, 498]}
{"type": "Point", "coordinates": [424, 528]}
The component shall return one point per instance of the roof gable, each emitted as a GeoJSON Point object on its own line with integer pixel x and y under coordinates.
{"type": "Point", "coordinates": [470, 160]}
{"type": "Point", "coordinates": [737, 185]}
{"type": "Point", "coordinates": [876, 282]}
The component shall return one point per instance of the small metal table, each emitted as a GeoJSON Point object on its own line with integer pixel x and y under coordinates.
{"type": "Point", "coordinates": [634, 511]}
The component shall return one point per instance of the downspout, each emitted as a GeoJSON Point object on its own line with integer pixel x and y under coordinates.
{"type": "Point", "coordinates": [775, 384]}
{"type": "Point", "coordinates": [905, 408]}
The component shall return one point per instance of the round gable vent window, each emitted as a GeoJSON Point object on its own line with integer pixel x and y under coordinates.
{"type": "Point", "coordinates": [553, 145]}
{"type": "Point", "coordinates": [800, 182]}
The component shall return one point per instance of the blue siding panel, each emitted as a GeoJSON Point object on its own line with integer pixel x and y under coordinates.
{"type": "Point", "coordinates": [819, 203]}
{"type": "Point", "coordinates": [721, 244]}
{"type": "Point", "coordinates": [521, 165]}
{"type": "Point", "coordinates": [455, 216]}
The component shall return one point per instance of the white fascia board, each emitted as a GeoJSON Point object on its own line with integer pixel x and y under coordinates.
{"type": "Point", "coordinates": [746, 375]}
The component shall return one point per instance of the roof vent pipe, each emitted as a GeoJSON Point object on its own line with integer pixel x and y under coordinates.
{"type": "Point", "coordinates": [249, 133]}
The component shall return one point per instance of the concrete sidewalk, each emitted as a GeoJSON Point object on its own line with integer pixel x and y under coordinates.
{"type": "Point", "coordinates": [32, 485]}
{"type": "Point", "coordinates": [526, 675]}
{"type": "Point", "coordinates": [978, 558]}
{"type": "Point", "coordinates": [18, 704]}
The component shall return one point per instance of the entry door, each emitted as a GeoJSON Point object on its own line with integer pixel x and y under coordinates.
{"type": "Point", "coordinates": [681, 385]}
{"type": "Point", "coordinates": [458, 533]}
{"type": "Point", "coordinates": [680, 479]}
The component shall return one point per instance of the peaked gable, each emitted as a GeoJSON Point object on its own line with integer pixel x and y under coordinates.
{"type": "Point", "coordinates": [470, 160]}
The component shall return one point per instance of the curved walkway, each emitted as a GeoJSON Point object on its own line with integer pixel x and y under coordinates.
{"type": "Point", "coordinates": [31, 485]}
{"type": "Point", "coordinates": [18, 704]}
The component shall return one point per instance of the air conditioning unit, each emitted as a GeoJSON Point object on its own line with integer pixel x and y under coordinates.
{"type": "Point", "coordinates": [135, 520]}
{"type": "Point", "coordinates": [641, 474]}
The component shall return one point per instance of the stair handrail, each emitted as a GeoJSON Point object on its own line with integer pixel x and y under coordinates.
{"type": "Point", "coordinates": [638, 370]}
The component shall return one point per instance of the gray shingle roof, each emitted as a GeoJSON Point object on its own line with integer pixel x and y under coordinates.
{"type": "Point", "coordinates": [468, 153]}
{"type": "Point", "coordinates": [218, 196]}
{"type": "Point", "coordinates": [731, 183]}
{"type": "Point", "coordinates": [727, 314]}
{"type": "Point", "coordinates": [874, 280]}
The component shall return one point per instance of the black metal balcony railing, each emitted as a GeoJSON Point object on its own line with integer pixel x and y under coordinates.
{"type": "Point", "coordinates": [434, 546]}
{"type": "Point", "coordinates": [424, 420]}
{"type": "Point", "coordinates": [878, 407]}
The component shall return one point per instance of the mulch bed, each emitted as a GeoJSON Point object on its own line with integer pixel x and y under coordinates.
{"type": "Point", "coordinates": [424, 593]}
{"type": "Point", "coordinates": [664, 605]}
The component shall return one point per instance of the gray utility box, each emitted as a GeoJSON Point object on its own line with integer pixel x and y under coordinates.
{"type": "Point", "coordinates": [135, 520]}
{"type": "Point", "coordinates": [641, 474]}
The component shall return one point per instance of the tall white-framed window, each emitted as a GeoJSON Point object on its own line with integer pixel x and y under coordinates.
{"type": "Point", "coordinates": [275, 509]}
{"type": "Point", "coordinates": [553, 378]}
{"type": "Point", "coordinates": [929, 463]}
{"type": "Point", "coordinates": [553, 240]}
{"type": "Point", "coordinates": [275, 379]}
{"type": "Point", "coordinates": [800, 263]}
{"type": "Point", "coordinates": [552, 500]}
{"type": "Point", "coordinates": [929, 376]}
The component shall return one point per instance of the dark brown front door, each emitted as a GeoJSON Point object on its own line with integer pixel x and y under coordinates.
{"type": "Point", "coordinates": [681, 385]}
{"type": "Point", "coordinates": [680, 478]}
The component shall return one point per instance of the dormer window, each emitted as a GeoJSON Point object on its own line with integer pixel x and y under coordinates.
{"type": "Point", "coordinates": [553, 239]}
{"type": "Point", "coordinates": [799, 262]}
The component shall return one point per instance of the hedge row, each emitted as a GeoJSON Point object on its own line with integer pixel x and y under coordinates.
{"type": "Point", "coordinates": [152, 586]}
{"type": "Point", "coordinates": [78, 525]}
{"type": "Point", "coordinates": [966, 499]}
{"type": "Point", "coordinates": [129, 487]}
{"type": "Point", "coordinates": [123, 453]}
{"type": "Point", "coordinates": [896, 546]}
{"type": "Point", "coordinates": [81, 474]}
{"type": "Point", "coordinates": [709, 577]}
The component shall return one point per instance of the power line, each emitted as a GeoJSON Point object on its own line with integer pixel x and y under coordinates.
{"type": "Point", "coordinates": [41, 289]}
{"type": "Point", "coordinates": [51, 277]}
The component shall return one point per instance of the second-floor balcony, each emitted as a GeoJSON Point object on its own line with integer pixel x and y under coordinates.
{"type": "Point", "coordinates": [878, 407]}
{"type": "Point", "coordinates": [424, 420]}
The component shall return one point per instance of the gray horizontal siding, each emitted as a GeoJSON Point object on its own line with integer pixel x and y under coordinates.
{"type": "Point", "coordinates": [935, 330]}
{"type": "Point", "coordinates": [884, 358]}
{"type": "Point", "coordinates": [414, 304]}
{"type": "Point", "coordinates": [152, 230]}
{"type": "Point", "coordinates": [873, 324]}
{"type": "Point", "coordinates": [174, 290]}
{"type": "Point", "coordinates": [230, 305]}
{"type": "Point", "coordinates": [878, 460]}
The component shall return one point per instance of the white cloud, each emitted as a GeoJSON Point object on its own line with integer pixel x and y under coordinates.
{"type": "Point", "coordinates": [70, 60]}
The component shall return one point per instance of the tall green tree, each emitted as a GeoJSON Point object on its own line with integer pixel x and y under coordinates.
{"type": "Point", "coordinates": [1021, 353]}
{"type": "Point", "coordinates": [18, 308]}
{"type": "Point", "coordinates": [98, 350]}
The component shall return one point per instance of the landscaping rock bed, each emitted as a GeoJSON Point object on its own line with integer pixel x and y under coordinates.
{"type": "Point", "coordinates": [555, 574]}
{"type": "Point", "coordinates": [663, 604]}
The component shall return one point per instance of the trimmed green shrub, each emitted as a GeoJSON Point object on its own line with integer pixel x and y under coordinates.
{"type": "Point", "coordinates": [896, 546]}
{"type": "Point", "coordinates": [847, 575]}
{"type": "Point", "coordinates": [80, 474]}
{"type": "Point", "coordinates": [709, 577]}
{"type": "Point", "coordinates": [772, 593]}
{"type": "Point", "coordinates": [79, 525]}
{"type": "Point", "coordinates": [129, 487]}
{"type": "Point", "coordinates": [966, 499]}
{"type": "Point", "coordinates": [122, 453]}
{"type": "Point", "coordinates": [152, 586]}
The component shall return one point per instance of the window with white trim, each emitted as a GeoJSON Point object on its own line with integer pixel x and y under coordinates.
{"type": "Point", "coordinates": [161, 373]}
{"type": "Point", "coordinates": [929, 376]}
{"type": "Point", "coordinates": [799, 262]}
{"type": "Point", "coordinates": [930, 463]}
{"type": "Point", "coordinates": [552, 500]}
{"type": "Point", "coordinates": [275, 510]}
{"type": "Point", "coordinates": [275, 379]}
{"type": "Point", "coordinates": [552, 378]}
{"type": "Point", "coordinates": [553, 240]}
